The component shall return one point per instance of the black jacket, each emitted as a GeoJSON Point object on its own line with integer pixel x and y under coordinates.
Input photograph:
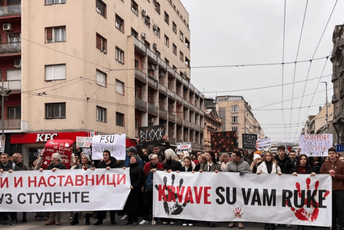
{"type": "Point", "coordinates": [59, 166]}
{"type": "Point", "coordinates": [285, 164]}
{"type": "Point", "coordinates": [8, 166]}
{"type": "Point", "coordinates": [21, 166]}
{"type": "Point", "coordinates": [173, 165]}
{"type": "Point", "coordinates": [309, 169]}
{"type": "Point", "coordinates": [189, 169]}
{"type": "Point", "coordinates": [112, 164]}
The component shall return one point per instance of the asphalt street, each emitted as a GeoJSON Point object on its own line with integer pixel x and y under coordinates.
{"type": "Point", "coordinates": [34, 225]}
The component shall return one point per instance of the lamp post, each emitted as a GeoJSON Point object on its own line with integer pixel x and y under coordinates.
{"type": "Point", "coordinates": [326, 130]}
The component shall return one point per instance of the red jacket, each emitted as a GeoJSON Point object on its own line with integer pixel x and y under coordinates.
{"type": "Point", "coordinates": [147, 167]}
{"type": "Point", "coordinates": [338, 167]}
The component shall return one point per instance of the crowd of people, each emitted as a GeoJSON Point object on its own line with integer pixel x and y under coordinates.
{"type": "Point", "coordinates": [142, 164]}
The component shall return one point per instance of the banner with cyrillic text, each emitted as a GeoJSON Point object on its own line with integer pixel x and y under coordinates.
{"type": "Point", "coordinates": [113, 143]}
{"type": "Point", "coordinates": [64, 190]}
{"type": "Point", "coordinates": [224, 197]}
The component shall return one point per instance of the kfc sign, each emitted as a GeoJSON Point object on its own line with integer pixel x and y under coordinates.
{"type": "Point", "coordinates": [32, 138]}
{"type": "Point", "coordinates": [44, 137]}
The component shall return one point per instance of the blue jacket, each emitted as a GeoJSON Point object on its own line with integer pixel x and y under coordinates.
{"type": "Point", "coordinates": [127, 161]}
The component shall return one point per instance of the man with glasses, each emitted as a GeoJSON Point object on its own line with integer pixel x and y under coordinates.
{"type": "Point", "coordinates": [149, 169]}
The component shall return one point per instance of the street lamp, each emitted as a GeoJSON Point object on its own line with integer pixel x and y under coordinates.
{"type": "Point", "coordinates": [326, 130]}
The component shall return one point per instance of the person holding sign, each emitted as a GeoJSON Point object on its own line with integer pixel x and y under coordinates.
{"type": "Point", "coordinates": [56, 164]}
{"type": "Point", "coordinates": [108, 163]}
{"type": "Point", "coordinates": [335, 168]}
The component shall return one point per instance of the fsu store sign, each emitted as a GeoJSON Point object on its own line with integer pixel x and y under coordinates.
{"type": "Point", "coordinates": [32, 138]}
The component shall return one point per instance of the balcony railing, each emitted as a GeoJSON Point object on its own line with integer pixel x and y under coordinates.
{"type": "Point", "coordinates": [152, 82]}
{"type": "Point", "coordinates": [141, 75]}
{"type": "Point", "coordinates": [10, 10]}
{"type": "Point", "coordinates": [171, 71]}
{"type": "Point", "coordinates": [140, 46]}
{"type": "Point", "coordinates": [162, 88]}
{"type": "Point", "coordinates": [163, 114]}
{"type": "Point", "coordinates": [12, 85]}
{"type": "Point", "coordinates": [171, 117]}
{"type": "Point", "coordinates": [13, 47]}
{"type": "Point", "coordinates": [162, 63]}
{"type": "Point", "coordinates": [179, 120]}
{"type": "Point", "coordinates": [141, 105]}
{"type": "Point", "coordinates": [11, 124]}
{"type": "Point", "coordinates": [152, 55]}
{"type": "Point", "coordinates": [185, 82]}
{"type": "Point", "coordinates": [177, 76]}
{"type": "Point", "coordinates": [170, 93]}
{"type": "Point", "coordinates": [152, 109]}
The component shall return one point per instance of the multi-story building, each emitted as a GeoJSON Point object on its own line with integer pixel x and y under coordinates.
{"type": "Point", "coordinates": [338, 82]}
{"type": "Point", "coordinates": [213, 123]}
{"type": "Point", "coordinates": [236, 115]}
{"type": "Point", "coordinates": [105, 66]}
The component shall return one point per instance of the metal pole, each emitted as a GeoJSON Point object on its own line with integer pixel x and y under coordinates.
{"type": "Point", "coordinates": [326, 130]}
{"type": "Point", "coordinates": [2, 113]}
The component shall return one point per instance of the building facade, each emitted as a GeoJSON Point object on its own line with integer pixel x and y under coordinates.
{"type": "Point", "coordinates": [338, 82]}
{"type": "Point", "coordinates": [213, 123]}
{"type": "Point", "coordinates": [236, 115]}
{"type": "Point", "coordinates": [96, 66]}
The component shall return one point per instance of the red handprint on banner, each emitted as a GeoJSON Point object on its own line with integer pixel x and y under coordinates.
{"type": "Point", "coordinates": [301, 213]}
{"type": "Point", "coordinates": [237, 213]}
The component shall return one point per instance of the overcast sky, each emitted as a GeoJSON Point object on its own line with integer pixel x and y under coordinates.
{"type": "Point", "coordinates": [245, 32]}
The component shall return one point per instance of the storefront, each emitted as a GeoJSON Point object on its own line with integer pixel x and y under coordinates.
{"type": "Point", "coordinates": [32, 143]}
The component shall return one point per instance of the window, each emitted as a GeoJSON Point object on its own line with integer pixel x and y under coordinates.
{"type": "Point", "coordinates": [157, 6]}
{"type": "Point", "coordinates": [101, 43]}
{"type": "Point", "coordinates": [119, 119]}
{"type": "Point", "coordinates": [181, 36]}
{"type": "Point", "coordinates": [101, 78]}
{"type": "Point", "coordinates": [14, 75]}
{"type": "Point", "coordinates": [13, 2]}
{"type": "Point", "coordinates": [55, 72]}
{"type": "Point", "coordinates": [14, 112]}
{"type": "Point", "coordinates": [187, 62]}
{"type": "Point", "coordinates": [55, 110]}
{"type": "Point", "coordinates": [134, 7]}
{"type": "Point", "coordinates": [156, 30]}
{"type": "Point", "coordinates": [147, 21]}
{"type": "Point", "coordinates": [134, 33]}
{"type": "Point", "coordinates": [174, 49]}
{"type": "Point", "coordinates": [235, 129]}
{"type": "Point", "coordinates": [167, 18]}
{"type": "Point", "coordinates": [234, 119]}
{"type": "Point", "coordinates": [101, 8]}
{"type": "Point", "coordinates": [235, 109]}
{"type": "Point", "coordinates": [51, 2]}
{"type": "Point", "coordinates": [167, 41]}
{"type": "Point", "coordinates": [119, 87]}
{"type": "Point", "coordinates": [55, 34]}
{"type": "Point", "coordinates": [174, 27]}
{"type": "Point", "coordinates": [101, 114]}
{"type": "Point", "coordinates": [187, 43]}
{"type": "Point", "coordinates": [174, 68]}
{"type": "Point", "coordinates": [181, 56]}
{"type": "Point", "coordinates": [167, 62]}
{"type": "Point", "coordinates": [119, 23]}
{"type": "Point", "coordinates": [119, 55]}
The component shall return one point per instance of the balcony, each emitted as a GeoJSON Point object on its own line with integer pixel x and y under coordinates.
{"type": "Point", "coordinates": [178, 77]}
{"type": "Point", "coordinates": [162, 89]}
{"type": "Point", "coordinates": [11, 124]}
{"type": "Point", "coordinates": [153, 82]}
{"type": "Point", "coordinates": [185, 82]}
{"type": "Point", "coordinates": [152, 56]}
{"type": "Point", "coordinates": [141, 105]}
{"type": "Point", "coordinates": [10, 10]}
{"type": "Point", "coordinates": [13, 47]}
{"type": "Point", "coordinates": [179, 98]}
{"type": "Point", "coordinates": [12, 85]}
{"type": "Point", "coordinates": [152, 109]}
{"type": "Point", "coordinates": [171, 71]}
{"type": "Point", "coordinates": [140, 46]}
{"type": "Point", "coordinates": [171, 117]}
{"type": "Point", "coordinates": [186, 124]}
{"type": "Point", "coordinates": [179, 121]}
{"type": "Point", "coordinates": [172, 140]}
{"type": "Point", "coordinates": [162, 63]}
{"type": "Point", "coordinates": [163, 114]}
{"type": "Point", "coordinates": [141, 75]}
{"type": "Point", "coordinates": [191, 87]}
{"type": "Point", "coordinates": [170, 93]}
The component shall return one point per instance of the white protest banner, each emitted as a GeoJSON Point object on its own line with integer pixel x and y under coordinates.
{"type": "Point", "coordinates": [84, 142]}
{"type": "Point", "coordinates": [113, 143]}
{"type": "Point", "coordinates": [224, 197]}
{"type": "Point", "coordinates": [64, 190]}
{"type": "Point", "coordinates": [316, 144]}
{"type": "Point", "coordinates": [184, 146]}
{"type": "Point", "coordinates": [264, 144]}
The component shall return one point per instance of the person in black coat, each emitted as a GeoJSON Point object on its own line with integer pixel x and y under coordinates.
{"type": "Point", "coordinates": [108, 162]}
{"type": "Point", "coordinates": [131, 207]}
{"type": "Point", "coordinates": [283, 161]}
{"type": "Point", "coordinates": [187, 168]}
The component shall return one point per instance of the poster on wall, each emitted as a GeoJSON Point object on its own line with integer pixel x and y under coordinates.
{"type": "Point", "coordinates": [224, 141]}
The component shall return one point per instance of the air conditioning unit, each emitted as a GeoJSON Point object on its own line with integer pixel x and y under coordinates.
{"type": "Point", "coordinates": [143, 35]}
{"type": "Point", "coordinates": [155, 46]}
{"type": "Point", "coordinates": [7, 26]}
{"type": "Point", "coordinates": [155, 27]}
{"type": "Point", "coordinates": [17, 63]}
{"type": "Point", "coordinates": [144, 13]}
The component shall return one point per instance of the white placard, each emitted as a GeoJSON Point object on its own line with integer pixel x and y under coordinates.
{"type": "Point", "coordinates": [184, 146]}
{"type": "Point", "coordinates": [225, 196]}
{"type": "Point", "coordinates": [264, 144]}
{"type": "Point", "coordinates": [316, 144]}
{"type": "Point", "coordinates": [113, 143]}
{"type": "Point", "coordinates": [84, 142]}
{"type": "Point", "coordinates": [64, 190]}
